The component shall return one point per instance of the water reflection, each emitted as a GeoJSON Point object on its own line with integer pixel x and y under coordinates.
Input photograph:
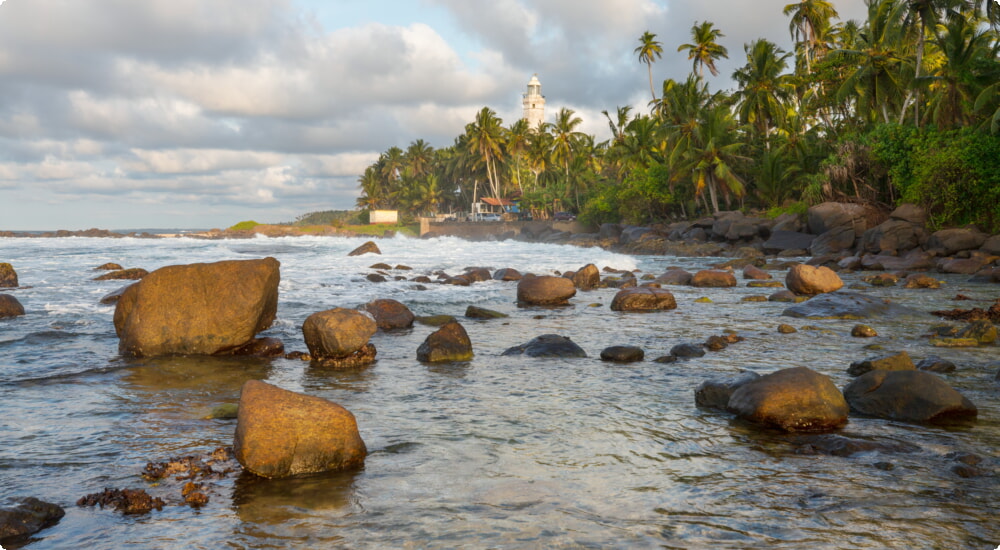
{"type": "Point", "coordinates": [277, 501]}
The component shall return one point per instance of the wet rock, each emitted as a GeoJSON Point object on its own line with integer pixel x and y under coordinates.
{"type": "Point", "coordinates": [933, 363]}
{"type": "Point", "coordinates": [975, 314]}
{"type": "Point", "coordinates": [675, 276]}
{"type": "Point", "coordinates": [375, 278]}
{"type": "Point", "coordinates": [988, 275]}
{"type": "Point", "coordinates": [10, 306]}
{"type": "Point", "coordinates": [753, 299]}
{"type": "Point", "coordinates": [783, 240]}
{"type": "Point", "coordinates": [382, 266]}
{"type": "Point", "coordinates": [643, 299]}
{"type": "Point", "coordinates": [435, 320]}
{"type": "Point", "coordinates": [26, 516]}
{"type": "Point", "coordinates": [881, 279]}
{"type": "Point", "coordinates": [548, 345]}
{"type": "Point", "coordinates": [389, 314]}
{"type": "Point", "coordinates": [786, 329]}
{"type": "Point", "coordinates": [280, 433]}
{"type": "Point", "coordinates": [8, 277]}
{"type": "Point", "coordinates": [983, 332]}
{"type": "Point", "coordinates": [367, 248]}
{"type": "Point", "coordinates": [113, 296]}
{"type": "Point", "coordinates": [687, 350]}
{"type": "Point", "coordinates": [401, 267]}
{"type": "Point", "coordinates": [909, 396]}
{"type": "Point", "coordinates": [131, 274]}
{"type": "Point", "coordinates": [954, 342]}
{"type": "Point", "coordinates": [950, 241]}
{"type": "Point", "coordinates": [846, 305]}
{"type": "Point", "coordinates": [783, 296]}
{"type": "Point", "coordinates": [477, 274]}
{"type": "Point", "coordinates": [545, 290]}
{"type": "Point", "coordinates": [711, 278]}
{"type": "Point", "coordinates": [753, 272]}
{"type": "Point", "coordinates": [838, 445]}
{"type": "Point", "coordinates": [863, 331]}
{"type": "Point", "coordinates": [474, 312]}
{"type": "Point", "coordinates": [920, 280]}
{"type": "Point", "coordinates": [716, 343]}
{"type": "Point", "coordinates": [622, 354]}
{"type": "Point", "coordinates": [258, 347]}
{"type": "Point", "coordinates": [216, 465]}
{"type": "Point", "coordinates": [225, 411]}
{"type": "Point", "coordinates": [794, 400]}
{"type": "Point", "coordinates": [666, 359]}
{"type": "Point", "coordinates": [448, 343]}
{"type": "Point", "coordinates": [587, 278]}
{"type": "Point", "coordinates": [809, 280]}
{"type": "Point", "coordinates": [126, 501]}
{"type": "Point", "coordinates": [715, 394]}
{"type": "Point", "coordinates": [337, 333]}
{"type": "Point", "coordinates": [891, 362]}
{"type": "Point", "coordinates": [507, 274]}
{"type": "Point", "coordinates": [197, 308]}
{"type": "Point", "coordinates": [765, 284]}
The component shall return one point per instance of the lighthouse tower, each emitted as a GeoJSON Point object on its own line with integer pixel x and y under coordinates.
{"type": "Point", "coordinates": [534, 103]}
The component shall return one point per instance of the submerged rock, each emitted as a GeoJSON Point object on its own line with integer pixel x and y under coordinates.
{"type": "Point", "coordinates": [389, 314]}
{"type": "Point", "coordinates": [715, 394]}
{"type": "Point", "coordinates": [545, 290]}
{"type": "Point", "coordinates": [895, 361]}
{"type": "Point", "coordinates": [687, 350]}
{"type": "Point", "coordinates": [846, 305]}
{"type": "Point", "coordinates": [367, 248]}
{"type": "Point", "coordinates": [933, 363]}
{"type": "Point", "coordinates": [448, 343]}
{"type": "Point", "coordinates": [27, 516]}
{"type": "Point", "coordinates": [126, 501]}
{"type": "Point", "coordinates": [474, 312]}
{"type": "Point", "coordinates": [548, 345]}
{"type": "Point", "coordinates": [10, 306]}
{"type": "Point", "coordinates": [909, 396]}
{"type": "Point", "coordinates": [838, 445]}
{"type": "Point", "coordinates": [794, 400]}
{"type": "Point", "coordinates": [643, 299]}
{"type": "Point", "coordinates": [622, 354]}
{"type": "Point", "coordinates": [8, 277]}
{"type": "Point", "coordinates": [280, 433]}
{"type": "Point", "coordinates": [131, 274]}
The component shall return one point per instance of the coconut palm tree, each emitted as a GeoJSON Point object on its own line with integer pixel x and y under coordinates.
{"type": "Point", "coordinates": [807, 18]}
{"type": "Point", "coordinates": [704, 48]}
{"type": "Point", "coordinates": [418, 158]}
{"type": "Point", "coordinates": [765, 89]}
{"type": "Point", "coordinates": [956, 83]}
{"type": "Point", "coordinates": [517, 143]}
{"type": "Point", "coordinates": [649, 50]}
{"type": "Point", "coordinates": [564, 141]}
{"type": "Point", "coordinates": [712, 155]}
{"type": "Point", "coordinates": [486, 141]}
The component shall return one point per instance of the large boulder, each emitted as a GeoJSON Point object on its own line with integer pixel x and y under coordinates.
{"type": "Point", "coordinates": [893, 236]}
{"type": "Point", "coordinates": [643, 299]}
{"type": "Point", "coordinates": [713, 278]}
{"type": "Point", "coordinates": [367, 248]}
{"type": "Point", "coordinates": [833, 241]}
{"type": "Point", "coordinates": [198, 308]}
{"type": "Point", "coordinates": [830, 216]}
{"type": "Point", "coordinates": [715, 394]}
{"type": "Point", "coordinates": [507, 274]}
{"type": "Point", "coordinates": [280, 433]}
{"type": "Point", "coordinates": [675, 276]}
{"type": "Point", "coordinates": [587, 278]}
{"type": "Point", "coordinates": [389, 314]}
{"type": "Point", "coordinates": [8, 277]}
{"type": "Point", "coordinates": [846, 305]}
{"type": "Point", "coordinates": [809, 280]}
{"type": "Point", "coordinates": [782, 240]}
{"type": "Point", "coordinates": [548, 345]}
{"type": "Point", "coordinates": [909, 396]}
{"type": "Point", "coordinates": [947, 242]}
{"type": "Point", "coordinates": [545, 290]}
{"type": "Point", "coordinates": [909, 212]}
{"type": "Point", "coordinates": [10, 306]}
{"type": "Point", "coordinates": [338, 333]}
{"type": "Point", "coordinates": [27, 516]}
{"type": "Point", "coordinates": [448, 343]}
{"type": "Point", "coordinates": [794, 400]}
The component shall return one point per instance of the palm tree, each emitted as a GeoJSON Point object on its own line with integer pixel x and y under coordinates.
{"type": "Point", "coordinates": [392, 164]}
{"type": "Point", "coordinates": [712, 155]}
{"type": "Point", "coordinates": [517, 143]}
{"type": "Point", "coordinates": [923, 15]}
{"type": "Point", "coordinates": [807, 18]}
{"type": "Point", "coordinates": [486, 141]}
{"type": "Point", "coordinates": [539, 154]}
{"type": "Point", "coordinates": [960, 79]}
{"type": "Point", "coordinates": [618, 124]}
{"type": "Point", "coordinates": [418, 158]}
{"type": "Point", "coordinates": [564, 141]}
{"type": "Point", "coordinates": [764, 88]}
{"type": "Point", "coordinates": [704, 49]}
{"type": "Point", "coordinates": [649, 50]}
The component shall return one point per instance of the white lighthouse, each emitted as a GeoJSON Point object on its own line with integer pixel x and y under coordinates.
{"type": "Point", "coordinates": [534, 103]}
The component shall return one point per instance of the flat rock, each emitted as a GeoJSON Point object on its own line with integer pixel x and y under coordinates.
{"type": "Point", "coordinates": [846, 305]}
{"type": "Point", "coordinates": [715, 394]}
{"type": "Point", "coordinates": [643, 299]}
{"type": "Point", "coordinates": [548, 345]}
{"type": "Point", "coordinates": [622, 354]}
{"type": "Point", "coordinates": [894, 361]}
{"type": "Point", "coordinates": [909, 396]}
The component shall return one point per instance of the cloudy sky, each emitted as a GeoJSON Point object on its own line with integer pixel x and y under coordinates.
{"type": "Point", "coordinates": [202, 113]}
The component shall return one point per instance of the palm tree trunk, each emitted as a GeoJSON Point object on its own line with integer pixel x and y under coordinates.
{"type": "Point", "coordinates": [649, 66]}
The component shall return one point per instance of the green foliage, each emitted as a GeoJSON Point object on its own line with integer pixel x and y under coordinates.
{"type": "Point", "coordinates": [799, 208]}
{"type": "Point", "coordinates": [643, 197]}
{"type": "Point", "coordinates": [244, 226]}
{"type": "Point", "coordinates": [336, 218]}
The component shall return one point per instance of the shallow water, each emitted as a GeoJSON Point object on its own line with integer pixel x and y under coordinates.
{"type": "Point", "coordinates": [505, 452]}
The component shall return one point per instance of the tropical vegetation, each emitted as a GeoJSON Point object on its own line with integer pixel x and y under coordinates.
{"type": "Point", "coordinates": [901, 106]}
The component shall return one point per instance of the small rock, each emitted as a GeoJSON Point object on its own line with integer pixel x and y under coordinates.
{"type": "Point", "coordinates": [448, 343]}
{"type": "Point", "coordinates": [764, 284]}
{"type": "Point", "coordinates": [751, 271]}
{"type": "Point", "coordinates": [26, 517]}
{"type": "Point", "coordinates": [711, 278]}
{"type": "Point", "coordinates": [716, 343]}
{"type": "Point", "coordinates": [622, 354]}
{"type": "Point", "coordinates": [687, 350]}
{"type": "Point", "coordinates": [337, 333]}
{"type": "Point", "coordinates": [380, 265]}
{"type": "Point", "coordinates": [548, 345]}
{"type": "Point", "coordinates": [909, 396]}
{"type": "Point", "coordinates": [673, 359]}
{"type": "Point", "coordinates": [786, 329]}
{"type": "Point", "coordinates": [984, 332]}
{"type": "Point", "coordinates": [934, 363]}
{"type": "Point", "coordinates": [715, 394]}
{"type": "Point", "coordinates": [919, 280]}
{"type": "Point", "coordinates": [375, 278]}
{"type": "Point", "coordinates": [367, 248]}
{"type": "Point", "coordinates": [8, 277]}
{"type": "Point", "coordinates": [507, 274]}
{"type": "Point", "coordinates": [863, 331]}
{"type": "Point", "coordinates": [703, 300]}
{"type": "Point", "coordinates": [754, 299]}
{"type": "Point", "coordinates": [435, 320]}
{"type": "Point", "coordinates": [126, 501]}
{"type": "Point", "coordinates": [643, 299]}
{"type": "Point", "coordinates": [10, 306]}
{"type": "Point", "coordinates": [474, 312]}
{"type": "Point", "coordinates": [545, 290]}
{"type": "Point", "coordinates": [893, 362]}
{"type": "Point", "coordinates": [131, 274]}
{"type": "Point", "coordinates": [110, 266]}
{"type": "Point", "coordinates": [225, 411]}
{"type": "Point", "coordinates": [389, 314]}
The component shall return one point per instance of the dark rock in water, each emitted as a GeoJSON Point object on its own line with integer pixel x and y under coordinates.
{"type": "Point", "coordinates": [258, 347]}
{"type": "Point", "coordinates": [337, 333]}
{"type": "Point", "coordinates": [10, 306]}
{"type": "Point", "coordinates": [622, 354]}
{"type": "Point", "coordinates": [507, 274]}
{"type": "Point", "coordinates": [587, 278]}
{"type": "Point", "coordinates": [751, 271]}
{"type": "Point", "coordinates": [389, 314]}
{"type": "Point", "coordinates": [783, 296]}
{"type": "Point", "coordinates": [548, 345]}
{"type": "Point", "coordinates": [782, 240]}
{"type": "Point", "coordinates": [545, 290]}
{"type": "Point", "coordinates": [675, 276]}
{"type": "Point", "coordinates": [846, 305]}
{"type": "Point", "coordinates": [435, 320]}
{"type": "Point", "coordinates": [474, 312]}
{"type": "Point", "coordinates": [711, 278]}
{"type": "Point", "coordinates": [787, 329]}
{"type": "Point", "coordinates": [113, 296]}
{"type": "Point", "coordinates": [26, 517]}
{"type": "Point", "coordinates": [126, 501]}
{"type": "Point", "coordinates": [666, 359]}
{"type": "Point", "coordinates": [920, 280]}
{"type": "Point", "coordinates": [716, 343]}
{"type": "Point", "coordinates": [983, 332]}
{"type": "Point", "coordinates": [837, 445]}
{"type": "Point", "coordinates": [448, 343]}
{"type": "Point", "coordinates": [988, 275]}
{"type": "Point", "coordinates": [280, 433]}
{"type": "Point", "coordinates": [131, 274]}
{"type": "Point", "coordinates": [380, 265]}
{"type": "Point", "coordinates": [715, 394]}
{"type": "Point", "coordinates": [895, 361]}
{"type": "Point", "coordinates": [794, 400]}
{"type": "Point", "coordinates": [909, 396]}
{"type": "Point", "coordinates": [863, 331]}
{"type": "Point", "coordinates": [477, 274]}
{"type": "Point", "coordinates": [375, 278]}
{"type": "Point", "coordinates": [358, 359]}
{"type": "Point", "coordinates": [934, 363]}
{"type": "Point", "coordinates": [687, 350]}
{"type": "Point", "coordinates": [643, 299]}
{"type": "Point", "coordinates": [8, 277]}
{"type": "Point", "coordinates": [367, 248]}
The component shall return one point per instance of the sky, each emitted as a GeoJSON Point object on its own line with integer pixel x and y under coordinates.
{"type": "Point", "coordinates": [125, 114]}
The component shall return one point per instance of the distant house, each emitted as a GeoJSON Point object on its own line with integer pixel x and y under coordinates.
{"type": "Point", "coordinates": [383, 216]}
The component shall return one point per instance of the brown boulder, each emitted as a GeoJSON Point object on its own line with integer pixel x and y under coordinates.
{"type": "Point", "coordinates": [8, 277]}
{"type": "Point", "coordinates": [448, 343]}
{"type": "Point", "coordinates": [545, 290]}
{"type": "Point", "coordinates": [507, 274]}
{"type": "Point", "coordinates": [389, 314]}
{"type": "Point", "coordinates": [110, 266]}
{"type": "Point", "coordinates": [809, 280]}
{"type": "Point", "coordinates": [367, 248]}
{"type": "Point", "coordinates": [949, 241]}
{"type": "Point", "coordinates": [921, 280]}
{"type": "Point", "coordinates": [131, 274]}
{"type": "Point", "coordinates": [675, 276]}
{"type": "Point", "coordinates": [895, 361]}
{"type": "Point", "coordinates": [794, 400]}
{"type": "Point", "coordinates": [643, 299]}
{"type": "Point", "coordinates": [337, 333]}
{"type": "Point", "coordinates": [751, 271]}
{"type": "Point", "coordinates": [197, 308]}
{"type": "Point", "coordinates": [280, 433]}
{"type": "Point", "coordinates": [10, 306]}
{"type": "Point", "coordinates": [908, 395]}
{"type": "Point", "coordinates": [587, 278]}
{"type": "Point", "coordinates": [712, 278]}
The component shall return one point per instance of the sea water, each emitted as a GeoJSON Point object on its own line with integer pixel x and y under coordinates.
{"type": "Point", "coordinates": [497, 452]}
